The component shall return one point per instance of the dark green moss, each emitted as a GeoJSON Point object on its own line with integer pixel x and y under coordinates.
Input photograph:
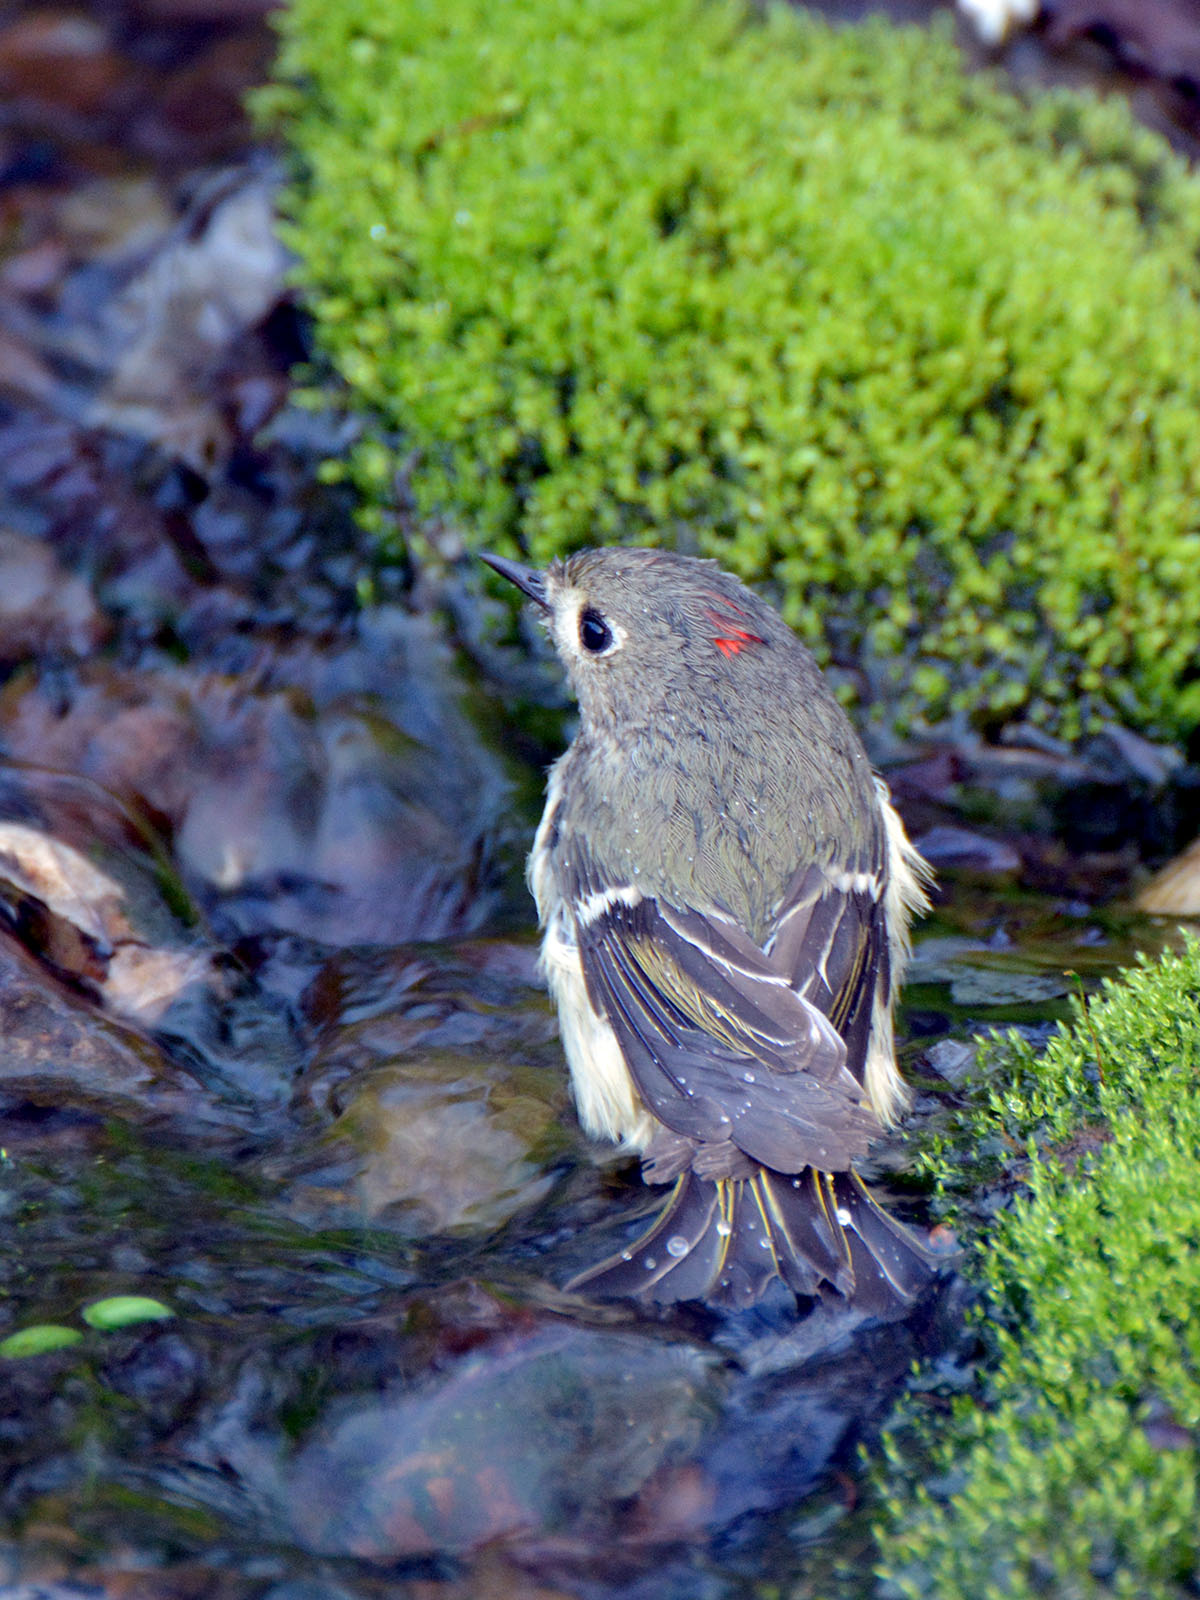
{"type": "Point", "coordinates": [921, 359]}
{"type": "Point", "coordinates": [1075, 1472]}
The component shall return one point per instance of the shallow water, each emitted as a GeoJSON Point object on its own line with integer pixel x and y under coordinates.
{"type": "Point", "coordinates": [350, 1170]}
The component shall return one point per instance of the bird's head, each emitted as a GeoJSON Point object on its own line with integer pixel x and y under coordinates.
{"type": "Point", "coordinates": [633, 627]}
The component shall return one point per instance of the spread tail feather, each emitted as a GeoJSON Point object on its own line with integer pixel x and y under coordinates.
{"type": "Point", "coordinates": [724, 1241]}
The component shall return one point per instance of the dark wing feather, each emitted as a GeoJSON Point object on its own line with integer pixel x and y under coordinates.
{"type": "Point", "coordinates": [720, 1046]}
{"type": "Point", "coordinates": [831, 940]}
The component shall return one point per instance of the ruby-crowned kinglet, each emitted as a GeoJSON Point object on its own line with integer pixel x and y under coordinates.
{"type": "Point", "coordinates": [725, 891]}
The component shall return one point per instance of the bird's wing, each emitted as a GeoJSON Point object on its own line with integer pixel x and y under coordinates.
{"type": "Point", "coordinates": [830, 941]}
{"type": "Point", "coordinates": [717, 1040]}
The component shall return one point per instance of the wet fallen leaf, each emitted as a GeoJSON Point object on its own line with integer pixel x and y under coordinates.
{"type": "Point", "coordinates": [203, 101]}
{"type": "Point", "coordinates": [187, 12]}
{"type": "Point", "coordinates": [124, 1311]}
{"type": "Point", "coordinates": [678, 1503]}
{"type": "Point", "coordinates": [989, 986]}
{"type": "Point", "coordinates": [128, 733]}
{"type": "Point", "coordinates": [32, 272]}
{"type": "Point", "coordinates": [319, 812]}
{"type": "Point", "coordinates": [79, 923]}
{"type": "Point", "coordinates": [35, 1341]}
{"type": "Point", "coordinates": [220, 272]}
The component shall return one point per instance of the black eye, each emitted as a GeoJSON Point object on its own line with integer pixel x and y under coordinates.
{"type": "Point", "coordinates": [594, 633]}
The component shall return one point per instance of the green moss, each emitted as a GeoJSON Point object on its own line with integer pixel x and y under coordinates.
{"type": "Point", "coordinates": [1075, 1473]}
{"type": "Point", "coordinates": [921, 359]}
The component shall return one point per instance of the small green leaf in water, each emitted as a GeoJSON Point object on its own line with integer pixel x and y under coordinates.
{"type": "Point", "coordinates": [35, 1341]}
{"type": "Point", "coordinates": [123, 1310]}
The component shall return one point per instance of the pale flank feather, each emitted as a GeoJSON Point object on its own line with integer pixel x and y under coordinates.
{"type": "Point", "coordinates": [908, 876]}
{"type": "Point", "coordinates": [605, 1097]}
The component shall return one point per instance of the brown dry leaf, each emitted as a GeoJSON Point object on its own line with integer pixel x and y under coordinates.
{"type": "Point", "coordinates": [192, 11]}
{"type": "Point", "coordinates": [1175, 892]}
{"type": "Point", "coordinates": [59, 58]}
{"type": "Point", "coordinates": [65, 881]}
{"type": "Point", "coordinates": [118, 729]}
{"type": "Point", "coordinates": [136, 981]}
{"type": "Point", "coordinates": [142, 982]}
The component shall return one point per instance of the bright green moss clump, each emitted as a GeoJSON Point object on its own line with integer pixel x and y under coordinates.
{"type": "Point", "coordinates": [923, 360]}
{"type": "Point", "coordinates": [1077, 1477]}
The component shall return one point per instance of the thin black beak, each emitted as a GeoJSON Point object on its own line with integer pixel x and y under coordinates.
{"type": "Point", "coordinates": [528, 579]}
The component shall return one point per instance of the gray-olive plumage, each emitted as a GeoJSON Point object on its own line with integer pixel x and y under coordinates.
{"type": "Point", "coordinates": [725, 891]}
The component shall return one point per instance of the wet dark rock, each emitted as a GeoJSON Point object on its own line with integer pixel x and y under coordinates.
{"type": "Point", "coordinates": [1124, 756]}
{"type": "Point", "coordinates": [992, 986]}
{"type": "Point", "coordinates": [162, 1372]}
{"type": "Point", "coordinates": [1078, 820]}
{"type": "Point", "coordinates": [442, 1073]}
{"type": "Point", "coordinates": [1158, 37]}
{"type": "Point", "coordinates": [447, 1143]}
{"type": "Point", "coordinates": [953, 1059]}
{"type": "Point", "coordinates": [44, 611]}
{"type": "Point", "coordinates": [309, 1589]}
{"type": "Point", "coordinates": [946, 847]}
{"type": "Point", "coordinates": [552, 1436]}
{"type": "Point", "coordinates": [370, 1010]}
{"type": "Point", "coordinates": [59, 1051]}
